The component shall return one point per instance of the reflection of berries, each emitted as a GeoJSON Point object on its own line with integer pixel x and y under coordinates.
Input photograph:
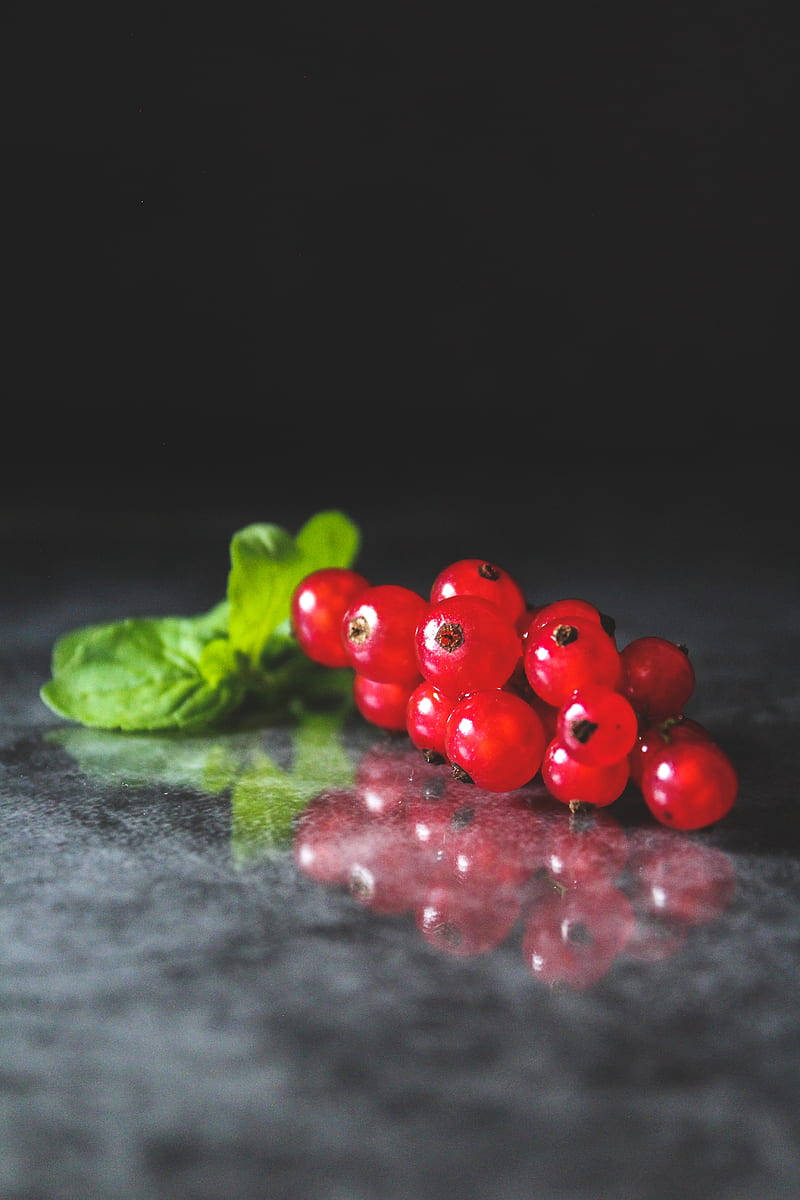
{"type": "Point", "coordinates": [385, 874]}
{"type": "Point", "coordinates": [378, 633]}
{"type": "Point", "coordinates": [382, 704]}
{"type": "Point", "coordinates": [689, 784]}
{"type": "Point", "coordinates": [574, 782]}
{"type": "Point", "coordinates": [587, 849]}
{"type": "Point", "coordinates": [655, 938]}
{"type": "Point", "coordinates": [466, 644]}
{"type": "Point", "coordinates": [318, 605]}
{"type": "Point", "coordinates": [324, 835]}
{"type": "Point", "coordinates": [426, 716]}
{"type": "Point", "coordinates": [573, 938]}
{"type": "Point", "coordinates": [496, 738]}
{"type": "Point", "coordinates": [597, 726]}
{"type": "Point", "coordinates": [658, 677]}
{"type": "Point", "coordinates": [475, 577]}
{"type": "Point", "coordinates": [561, 656]}
{"type": "Point", "coordinates": [388, 772]}
{"type": "Point", "coordinates": [679, 879]}
{"type": "Point", "coordinates": [464, 923]}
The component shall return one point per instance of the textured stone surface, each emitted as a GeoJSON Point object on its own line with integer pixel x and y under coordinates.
{"type": "Point", "coordinates": [183, 1014]}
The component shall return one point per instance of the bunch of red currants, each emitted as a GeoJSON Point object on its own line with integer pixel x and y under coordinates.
{"type": "Point", "coordinates": [503, 691]}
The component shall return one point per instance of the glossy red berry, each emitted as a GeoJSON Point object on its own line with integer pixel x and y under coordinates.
{"type": "Point", "coordinates": [597, 726]}
{"type": "Point", "coordinates": [655, 737]}
{"type": "Point", "coordinates": [382, 704]}
{"type": "Point", "coordinates": [378, 633]}
{"type": "Point", "coordinates": [690, 784]}
{"type": "Point", "coordinates": [466, 644]}
{"type": "Point", "coordinates": [658, 677]}
{"type": "Point", "coordinates": [574, 782]}
{"type": "Point", "coordinates": [318, 604]}
{"type": "Point", "coordinates": [496, 739]}
{"type": "Point", "coordinates": [562, 656]}
{"type": "Point", "coordinates": [426, 716]}
{"type": "Point", "coordinates": [476, 577]}
{"type": "Point", "coordinates": [562, 610]}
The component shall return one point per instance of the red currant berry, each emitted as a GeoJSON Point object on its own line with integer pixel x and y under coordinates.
{"type": "Point", "coordinates": [574, 939]}
{"type": "Point", "coordinates": [496, 739]}
{"type": "Point", "coordinates": [574, 782]}
{"type": "Point", "coordinates": [525, 620]}
{"type": "Point", "coordinates": [597, 726]}
{"type": "Point", "coordinates": [378, 633]}
{"type": "Point", "coordinates": [562, 610]}
{"type": "Point", "coordinates": [561, 657]}
{"type": "Point", "coordinates": [658, 677]}
{"type": "Point", "coordinates": [653, 739]}
{"type": "Point", "coordinates": [318, 604]}
{"type": "Point", "coordinates": [426, 716]}
{"type": "Point", "coordinates": [466, 644]}
{"type": "Point", "coordinates": [690, 784]}
{"type": "Point", "coordinates": [475, 577]}
{"type": "Point", "coordinates": [382, 704]}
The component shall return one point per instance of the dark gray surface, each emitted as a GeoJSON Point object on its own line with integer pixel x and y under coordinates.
{"type": "Point", "coordinates": [182, 1019]}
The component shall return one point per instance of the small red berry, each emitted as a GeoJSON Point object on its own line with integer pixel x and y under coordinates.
{"type": "Point", "coordinates": [564, 609]}
{"type": "Point", "coordinates": [318, 604]}
{"type": "Point", "coordinates": [378, 633]}
{"type": "Point", "coordinates": [496, 739]}
{"type": "Point", "coordinates": [653, 739]}
{"type": "Point", "coordinates": [690, 784]}
{"type": "Point", "coordinates": [382, 704]}
{"type": "Point", "coordinates": [466, 644]}
{"type": "Point", "coordinates": [658, 677]}
{"type": "Point", "coordinates": [475, 577]}
{"type": "Point", "coordinates": [597, 726]}
{"type": "Point", "coordinates": [573, 782]}
{"type": "Point", "coordinates": [426, 716]}
{"type": "Point", "coordinates": [563, 656]}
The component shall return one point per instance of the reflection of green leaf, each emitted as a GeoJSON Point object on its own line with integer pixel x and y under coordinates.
{"type": "Point", "coordinates": [265, 797]}
{"type": "Point", "coordinates": [265, 800]}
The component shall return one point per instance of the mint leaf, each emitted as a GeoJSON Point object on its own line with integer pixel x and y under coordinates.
{"type": "Point", "coordinates": [267, 564]}
{"type": "Point", "coordinates": [145, 673]}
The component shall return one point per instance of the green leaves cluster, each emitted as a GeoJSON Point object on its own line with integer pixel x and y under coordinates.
{"type": "Point", "coordinates": [189, 673]}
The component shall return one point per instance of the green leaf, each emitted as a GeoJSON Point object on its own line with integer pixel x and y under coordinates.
{"type": "Point", "coordinates": [145, 674]}
{"type": "Point", "coordinates": [329, 539]}
{"type": "Point", "coordinates": [267, 564]}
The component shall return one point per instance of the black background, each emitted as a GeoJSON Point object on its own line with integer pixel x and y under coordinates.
{"type": "Point", "coordinates": [389, 257]}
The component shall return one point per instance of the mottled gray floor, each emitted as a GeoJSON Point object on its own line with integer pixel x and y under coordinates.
{"type": "Point", "coordinates": [185, 1016]}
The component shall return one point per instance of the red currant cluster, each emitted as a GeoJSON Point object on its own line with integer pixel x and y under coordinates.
{"type": "Point", "coordinates": [503, 690]}
{"type": "Point", "coordinates": [473, 870]}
